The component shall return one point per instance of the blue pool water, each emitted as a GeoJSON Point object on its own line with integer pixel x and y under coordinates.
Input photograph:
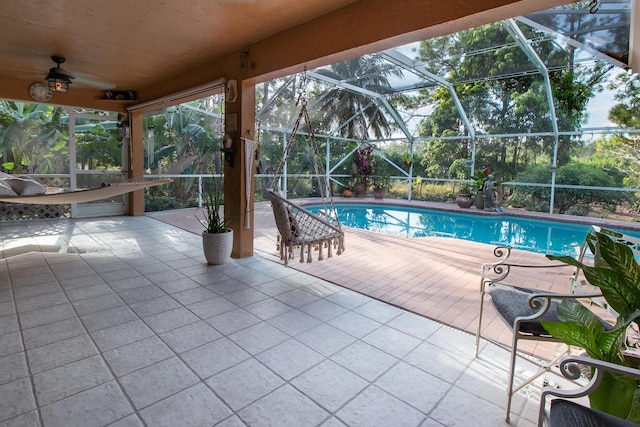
{"type": "Point", "coordinates": [548, 237]}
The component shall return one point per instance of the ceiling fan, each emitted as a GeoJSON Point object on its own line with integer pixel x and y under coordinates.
{"type": "Point", "coordinates": [59, 79]}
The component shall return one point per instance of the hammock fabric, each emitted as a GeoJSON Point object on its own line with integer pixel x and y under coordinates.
{"type": "Point", "coordinates": [300, 228]}
{"type": "Point", "coordinates": [82, 196]}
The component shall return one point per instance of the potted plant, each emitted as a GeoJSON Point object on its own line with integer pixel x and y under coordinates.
{"type": "Point", "coordinates": [362, 169]}
{"type": "Point", "coordinates": [617, 275]}
{"type": "Point", "coordinates": [407, 159]}
{"type": "Point", "coordinates": [217, 237]}
{"type": "Point", "coordinates": [381, 183]}
{"type": "Point", "coordinates": [464, 199]}
{"type": "Point", "coordinates": [479, 181]}
{"type": "Point", "coordinates": [348, 189]}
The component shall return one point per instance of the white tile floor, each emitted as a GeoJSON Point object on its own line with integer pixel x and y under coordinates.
{"type": "Point", "coordinates": [120, 322]}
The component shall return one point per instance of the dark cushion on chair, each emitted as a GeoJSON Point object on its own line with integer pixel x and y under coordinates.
{"type": "Point", "coordinates": [565, 413]}
{"type": "Point", "coordinates": [511, 302]}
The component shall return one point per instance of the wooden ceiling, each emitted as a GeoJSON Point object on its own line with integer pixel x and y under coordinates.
{"type": "Point", "coordinates": [141, 44]}
{"type": "Point", "coordinates": [136, 43]}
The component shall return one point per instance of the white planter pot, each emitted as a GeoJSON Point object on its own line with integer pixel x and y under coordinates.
{"type": "Point", "coordinates": [217, 247]}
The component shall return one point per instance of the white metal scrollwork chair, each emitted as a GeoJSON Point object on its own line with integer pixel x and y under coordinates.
{"type": "Point", "coordinates": [563, 412]}
{"type": "Point", "coordinates": [522, 309]}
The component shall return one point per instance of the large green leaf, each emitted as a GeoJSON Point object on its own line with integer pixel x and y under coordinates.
{"type": "Point", "coordinates": [615, 395]}
{"type": "Point", "coordinates": [634, 413]}
{"type": "Point", "coordinates": [569, 311]}
{"type": "Point", "coordinates": [616, 273]}
{"type": "Point", "coordinates": [620, 258]}
{"type": "Point", "coordinates": [580, 327]}
{"type": "Point", "coordinates": [576, 335]}
{"type": "Point", "coordinates": [616, 291]}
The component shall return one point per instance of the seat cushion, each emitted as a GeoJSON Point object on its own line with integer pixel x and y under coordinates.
{"type": "Point", "coordinates": [565, 413]}
{"type": "Point", "coordinates": [511, 302]}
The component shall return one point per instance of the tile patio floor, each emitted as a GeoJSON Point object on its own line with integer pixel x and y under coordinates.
{"type": "Point", "coordinates": [118, 321]}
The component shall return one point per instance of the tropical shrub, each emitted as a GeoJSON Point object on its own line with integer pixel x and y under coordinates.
{"type": "Point", "coordinates": [617, 275]}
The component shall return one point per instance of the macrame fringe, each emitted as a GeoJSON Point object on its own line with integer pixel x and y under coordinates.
{"type": "Point", "coordinates": [287, 251]}
{"type": "Point", "coordinates": [302, 230]}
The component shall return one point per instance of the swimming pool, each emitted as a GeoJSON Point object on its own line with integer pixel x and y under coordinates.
{"type": "Point", "coordinates": [542, 236]}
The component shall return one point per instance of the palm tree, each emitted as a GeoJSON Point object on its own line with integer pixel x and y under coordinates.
{"type": "Point", "coordinates": [349, 113]}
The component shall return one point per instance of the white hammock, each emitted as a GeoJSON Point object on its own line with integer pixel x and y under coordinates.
{"type": "Point", "coordinates": [300, 228]}
{"type": "Point", "coordinates": [83, 196]}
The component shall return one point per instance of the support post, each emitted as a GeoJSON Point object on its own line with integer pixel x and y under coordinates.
{"type": "Point", "coordinates": [136, 163]}
{"type": "Point", "coordinates": [240, 119]}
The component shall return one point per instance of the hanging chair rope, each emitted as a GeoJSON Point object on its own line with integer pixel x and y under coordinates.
{"type": "Point", "coordinates": [299, 227]}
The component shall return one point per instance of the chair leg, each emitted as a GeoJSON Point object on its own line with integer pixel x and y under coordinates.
{"type": "Point", "coordinates": [512, 370]}
{"type": "Point", "coordinates": [479, 322]}
{"type": "Point", "coordinates": [544, 367]}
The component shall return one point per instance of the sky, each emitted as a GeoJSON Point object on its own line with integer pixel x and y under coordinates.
{"type": "Point", "coordinates": [598, 110]}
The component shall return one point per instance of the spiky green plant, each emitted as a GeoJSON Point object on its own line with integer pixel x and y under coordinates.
{"type": "Point", "coordinates": [213, 221]}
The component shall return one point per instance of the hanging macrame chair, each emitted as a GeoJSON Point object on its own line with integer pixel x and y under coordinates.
{"type": "Point", "coordinates": [298, 227]}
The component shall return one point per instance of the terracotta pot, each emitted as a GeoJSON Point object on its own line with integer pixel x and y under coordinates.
{"type": "Point", "coordinates": [361, 190]}
{"type": "Point", "coordinates": [464, 200]}
{"type": "Point", "coordinates": [378, 193]}
{"type": "Point", "coordinates": [347, 193]}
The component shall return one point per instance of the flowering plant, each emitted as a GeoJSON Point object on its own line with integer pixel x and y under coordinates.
{"type": "Point", "coordinates": [481, 178]}
{"type": "Point", "coordinates": [363, 164]}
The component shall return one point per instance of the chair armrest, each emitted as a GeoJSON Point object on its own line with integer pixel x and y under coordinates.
{"type": "Point", "coordinates": [492, 272]}
{"type": "Point", "coordinates": [570, 368]}
{"type": "Point", "coordinates": [541, 302]}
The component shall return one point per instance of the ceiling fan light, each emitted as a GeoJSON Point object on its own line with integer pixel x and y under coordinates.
{"type": "Point", "coordinates": [58, 82]}
{"type": "Point", "coordinates": [58, 86]}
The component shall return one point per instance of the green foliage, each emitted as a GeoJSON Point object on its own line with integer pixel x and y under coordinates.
{"type": "Point", "coordinates": [627, 112]}
{"type": "Point", "coordinates": [465, 187]}
{"type": "Point", "coordinates": [407, 158]}
{"type": "Point", "coordinates": [578, 210]}
{"type": "Point", "coordinates": [624, 149]}
{"type": "Point", "coordinates": [185, 139]}
{"type": "Point", "coordinates": [479, 180]}
{"type": "Point", "coordinates": [98, 148]}
{"type": "Point", "coordinates": [8, 166]}
{"type": "Point", "coordinates": [617, 275]}
{"type": "Point", "coordinates": [575, 173]}
{"type": "Point", "coordinates": [160, 203]}
{"type": "Point", "coordinates": [572, 96]}
{"type": "Point", "coordinates": [33, 137]}
{"type": "Point", "coordinates": [484, 65]}
{"type": "Point", "coordinates": [618, 154]}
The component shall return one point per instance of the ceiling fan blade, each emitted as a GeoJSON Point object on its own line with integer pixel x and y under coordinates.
{"type": "Point", "coordinates": [81, 79]}
{"type": "Point", "coordinates": [85, 79]}
{"type": "Point", "coordinates": [93, 81]}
